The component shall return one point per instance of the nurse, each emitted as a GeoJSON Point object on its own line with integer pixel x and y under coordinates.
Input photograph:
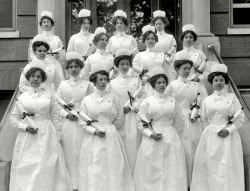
{"type": "Point", "coordinates": [124, 86]}
{"type": "Point", "coordinates": [82, 41]}
{"type": "Point", "coordinates": [47, 23]}
{"type": "Point", "coordinates": [72, 91]}
{"type": "Point", "coordinates": [218, 162]}
{"type": "Point", "coordinates": [40, 48]}
{"type": "Point", "coordinates": [121, 39]}
{"type": "Point", "coordinates": [149, 59]}
{"type": "Point", "coordinates": [166, 42]}
{"type": "Point", "coordinates": [38, 161]}
{"type": "Point", "coordinates": [200, 67]}
{"type": "Point", "coordinates": [160, 163]}
{"type": "Point", "coordinates": [100, 60]}
{"type": "Point", "coordinates": [103, 164]}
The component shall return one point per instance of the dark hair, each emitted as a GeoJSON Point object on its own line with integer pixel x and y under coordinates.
{"type": "Point", "coordinates": [163, 19]}
{"type": "Point", "coordinates": [77, 61]}
{"type": "Point", "coordinates": [146, 34]}
{"type": "Point", "coordinates": [98, 37]}
{"type": "Point", "coordinates": [124, 20]}
{"type": "Point", "coordinates": [46, 17]}
{"type": "Point", "coordinates": [33, 70]}
{"type": "Point", "coordinates": [81, 20]}
{"type": "Point", "coordinates": [93, 77]}
{"type": "Point", "coordinates": [179, 63]}
{"type": "Point", "coordinates": [189, 31]}
{"type": "Point", "coordinates": [122, 57]}
{"type": "Point", "coordinates": [37, 44]}
{"type": "Point", "coordinates": [153, 79]}
{"type": "Point", "coordinates": [211, 76]}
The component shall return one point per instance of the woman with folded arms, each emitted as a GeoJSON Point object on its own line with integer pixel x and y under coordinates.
{"type": "Point", "coordinates": [160, 163]}
{"type": "Point", "coordinates": [103, 165]}
{"type": "Point", "coordinates": [72, 92]}
{"type": "Point", "coordinates": [38, 161]}
{"type": "Point", "coordinates": [218, 162]}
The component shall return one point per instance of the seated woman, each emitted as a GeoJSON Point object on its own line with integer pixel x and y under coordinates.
{"type": "Point", "coordinates": [46, 23]}
{"type": "Point", "coordinates": [40, 48]}
{"type": "Point", "coordinates": [187, 93]}
{"type": "Point", "coordinates": [160, 163]}
{"type": "Point", "coordinates": [218, 162]}
{"type": "Point", "coordinates": [38, 162]}
{"type": "Point", "coordinates": [124, 87]}
{"type": "Point", "coordinates": [100, 60]}
{"type": "Point", "coordinates": [103, 164]}
{"type": "Point", "coordinates": [72, 91]}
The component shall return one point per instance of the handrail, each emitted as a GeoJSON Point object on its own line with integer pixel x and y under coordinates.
{"type": "Point", "coordinates": [213, 49]}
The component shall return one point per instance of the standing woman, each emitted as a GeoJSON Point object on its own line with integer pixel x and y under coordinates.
{"type": "Point", "coordinates": [40, 48]}
{"type": "Point", "coordinates": [121, 39]}
{"type": "Point", "coordinates": [47, 23]}
{"type": "Point", "coordinates": [38, 162]}
{"type": "Point", "coordinates": [197, 56]}
{"type": "Point", "coordinates": [100, 60]}
{"type": "Point", "coordinates": [218, 162]}
{"type": "Point", "coordinates": [160, 163]}
{"type": "Point", "coordinates": [148, 59]}
{"type": "Point", "coordinates": [103, 164]}
{"type": "Point", "coordinates": [186, 93]}
{"type": "Point", "coordinates": [82, 41]}
{"type": "Point", "coordinates": [72, 91]}
{"type": "Point", "coordinates": [166, 42]}
{"type": "Point", "coordinates": [124, 87]}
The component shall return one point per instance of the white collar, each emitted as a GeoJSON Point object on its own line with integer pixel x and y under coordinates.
{"type": "Point", "coordinates": [32, 90]}
{"type": "Point", "coordinates": [121, 33]}
{"type": "Point", "coordinates": [159, 94]}
{"type": "Point", "coordinates": [74, 79]}
{"type": "Point", "coordinates": [100, 92]}
{"type": "Point", "coordinates": [149, 49]}
{"type": "Point", "coordinates": [47, 34]}
{"type": "Point", "coordinates": [161, 33]}
{"type": "Point", "coordinates": [121, 75]}
{"type": "Point", "coordinates": [185, 80]}
{"type": "Point", "coordinates": [84, 33]}
{"type": "Point", "coordinates": [220, 92]}
{"type": "Point", "coordinates": [188, 48]}
{"type": "Point", "coordinates": [100, 51]}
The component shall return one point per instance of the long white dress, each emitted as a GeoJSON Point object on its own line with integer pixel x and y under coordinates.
{"type": "Point", "coordinates": [185, 92]}
{"type": "Point", "coordinates": [38, 162]}
{"type": "Point", "coordinates": [80, 42]}
{"type": "Point", "coordinates": [54, 43]}
{"type": "Point", "coordinates": [148, 60]}
{"type": "Point", "coordinates": [103, 163]}
{"type": "Point", "coordinates": [72, 91]}
{"type": "Point", "coordinates": [120, 86]}
{"type": "Point", "coordinates": [197, 56]}
{"type": "Point", "coordinates": [121, 40]}
{"type": "Point", "coordinates": [161, 164]}
{"type": "Point", "coordinates": [100, 60]}
{"type": "Point", "coordinates": [53, 77]}
{"type": "Point", "coordinates": [218, 162]}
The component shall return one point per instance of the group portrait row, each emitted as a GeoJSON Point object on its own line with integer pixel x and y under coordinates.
{"type": "Point", "coordinates": [102, 115]}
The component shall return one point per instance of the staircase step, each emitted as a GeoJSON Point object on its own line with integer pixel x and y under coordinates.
{"type": "Point", "coordinates": [4, 175]}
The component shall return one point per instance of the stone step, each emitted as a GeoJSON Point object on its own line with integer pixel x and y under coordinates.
{"type": "Point", "coordinates": [4, 175]}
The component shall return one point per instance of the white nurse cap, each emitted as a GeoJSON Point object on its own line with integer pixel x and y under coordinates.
{"type": "Point", "coordinates": [159, 13]}
{"type": "Point", "coordinates": [47, 13]}
{"type": "Point", "coordinates": [219, 68]}
{"type": "Point", "coordinates": [84, 13]}
{"type": "Point", "coordinates": [188, 27]}
{"type": "Point", "coordinates": [73, 55]}
{"type": "Point", "coordinates": [148, 28]}
{"type": "Point", "coordinates": [120, 13]}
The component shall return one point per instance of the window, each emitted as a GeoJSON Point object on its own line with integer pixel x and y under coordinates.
{"type": "Point", "coordinates": [240, 13]}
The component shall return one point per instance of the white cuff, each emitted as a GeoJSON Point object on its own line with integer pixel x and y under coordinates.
{"type": "Point", "coordinates": [63, 113]}
{"type": "Point", "coordinates": [231, 128]}
{"type": "Point", "coordinates": [90, 129]}
{"type": "Point", "coordinates": [147, 132]}
{"type": "Point", "coordinates": [22, 126]}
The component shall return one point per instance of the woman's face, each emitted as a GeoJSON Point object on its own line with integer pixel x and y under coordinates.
{"type": "Point", "coordinates": [120, 26]}
{"type": "Point", "coordinates": [46, 25]}
{"type": "Point", "coordinates": [102, 43]}
{"type": "Point", "coordinates": [218, 83]}
{"type": "Point", "coordinates": [184, 70]}
{"type": "Point", "coordinates": [85, 25]}
{"type": "Point", "coordinates": [188, 40]}
{"type": "Point", "coordinates": [150, 41]}
{"type": "Point", "coordinates": [101, 82]}
{"type": "Point", "coordinates": [123, 66]}
{"type": "Point", "coordinates": [159, 25]}
{"type": "Point", "coordinates": [74, 69]}
{"type": "Point", "coordinates": [35, 79]}
{"type": "Point", "coordinates": [40, 52]}
{"type": "Point", "coordinates": [160, 85]}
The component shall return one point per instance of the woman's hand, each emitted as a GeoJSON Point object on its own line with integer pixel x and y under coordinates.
{"type": "Point", "coordinates": [156, 136]}
{"type": "Point", "coordinates": [196, 79]}
{"type": "Point", "coordinates": [72, 117]}
{"type": "Point", "coordinates": [126, 109]}
{"type": "Point", "coordinates": [100, 133]}
{"type": "Point", "coordinates": [223, 133]}
{"type": "Point", "coordinates": [31, 130]}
